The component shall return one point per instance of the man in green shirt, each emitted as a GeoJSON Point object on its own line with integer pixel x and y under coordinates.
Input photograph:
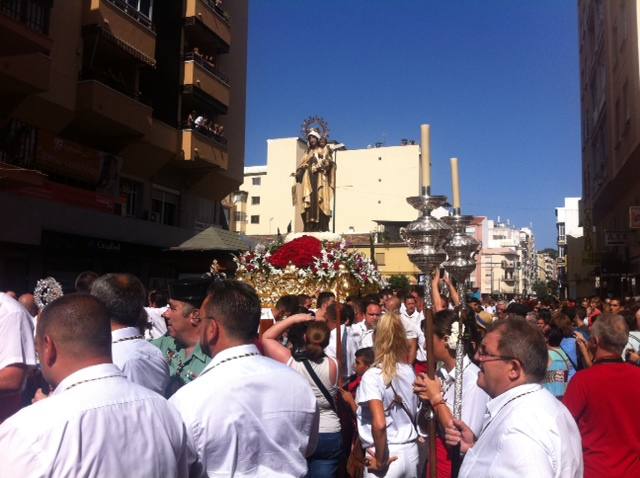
{"type": "Point", "coordinates": [181, 345]}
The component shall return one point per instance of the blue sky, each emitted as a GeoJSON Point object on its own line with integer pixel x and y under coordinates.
{"type": "Point", "coordinates": [498, 80]}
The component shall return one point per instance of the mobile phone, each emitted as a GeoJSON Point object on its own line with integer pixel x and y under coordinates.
{"type": "Point", "coordinates": [441, 272]}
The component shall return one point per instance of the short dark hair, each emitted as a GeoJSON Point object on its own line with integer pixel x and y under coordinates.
{"type": "Point", "coordinates": [123, 295]}
{"type": "Point", "coordinates": [236, 307]}
{"type": "Point", "coordinates": [324, 297]}
{"type": "Point", "coordinates": [523, 341]}
{"type": "Point", "coordinates": [347, 315]}
{"type": "Point", "coordinates": [79, 323]}
{"type": "Point", "coordinates": [288, 304]}
{"type": "Point", "coordinates": [158, 298]}
{"type": "Point", "coordinates": [84, 281]}
{"type": "Point", "coordinates": [366, 354]}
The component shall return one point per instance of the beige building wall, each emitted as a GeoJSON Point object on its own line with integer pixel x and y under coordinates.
{"type": "Point", "coordinates": [275, 209]}
{"type": "Point", "coordinates": [391, 260]}
{"type": "Point", "coordinates": [373, 184]}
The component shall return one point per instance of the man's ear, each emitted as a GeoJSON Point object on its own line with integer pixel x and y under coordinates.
{"type": "Point", "coordinates": [194, 317]}
{"type": "Point", "coordinates": [211, 332]}
{"type": "Point", "coordinates": [516, 370]}
{"type": "Point", "coordinates": [49, 351]}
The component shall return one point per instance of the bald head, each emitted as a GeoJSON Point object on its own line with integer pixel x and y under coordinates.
{"type": "Point", "coordinates": [29, 303]}
{"type": "Point", "coordinates": [78, 324]}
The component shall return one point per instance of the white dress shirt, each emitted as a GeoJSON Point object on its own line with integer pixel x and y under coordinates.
{"type": "Point", "coordinates": [527, 432]}
{"type": "Point", "coordinates": [140, 361]}
{"type": "Point", "coordinates": [364, 335]}
{"type": "Point", "coordinates": [250, 416]}
{"type": "Point", "coordinates": [400, 429]}
{"type": "Point", "coordinates": [416, 320]}
{"type": "Point", "coordinates": [96, 423]}
{"type": "Point", "coordinates": [16, 333]}
{"type": "Point", "coordinates": [158, 324]}
{"type": "Point", "coordinates": [474, 399]}
{"type": "Point", "coordinates": [351, 346]}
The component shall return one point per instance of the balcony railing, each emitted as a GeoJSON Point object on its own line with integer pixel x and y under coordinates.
{"type": "Point", "coordinates": [133, 12]}
{"type": "Point", "coordinates": [34, 14]}
{"type": "Point", "coordinates": [224, 16]}
{"type": "Point", "coordinates": [119, 84]}
{"type": "Point", "coordinates": [199, 59]}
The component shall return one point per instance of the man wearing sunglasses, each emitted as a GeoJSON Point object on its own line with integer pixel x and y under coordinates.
{"type": "Point", "coordinates": [526, 430]}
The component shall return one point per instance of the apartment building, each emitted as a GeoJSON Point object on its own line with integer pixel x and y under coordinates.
{"type": "Point", "coordinates": [101, 163]}
{"type": "Point", "coordinates": [610, 98]}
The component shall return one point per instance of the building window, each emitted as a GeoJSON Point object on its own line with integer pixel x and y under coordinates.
{"type": "Point", "coordinates": [255, 219]}
{"type": "Point", "coordinates": [164, 207]}
{"type": "Point", "coordinates": [256, 181]}
{"type": "Point", "coordinates": [239, 197]}
{"type": "Point", "coordinates": [240, 216]}
{"type": "Point", "coordinates": [19, 144]}
{"type": "Point", "coordinates": [380, 258]}
{"type": "Point", "coordinates": [137, 7]}
{"type": "Point", "coordinates": [561, 232]}
{"type": "Point", "coordinates": [131, 192]}
{"type": "Point", "coordinates": [255, 200]}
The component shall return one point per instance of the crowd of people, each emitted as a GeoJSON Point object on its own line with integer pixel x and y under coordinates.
{"type": "Point", "coordinates": [200, 380]}
{"type": "Point", "coordinates": [206, 126]}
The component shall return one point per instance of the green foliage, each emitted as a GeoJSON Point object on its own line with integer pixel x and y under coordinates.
{"type": "Point", "coordinates": [545, 291]}
{"type": "Point", "coordinates": [399, 282]}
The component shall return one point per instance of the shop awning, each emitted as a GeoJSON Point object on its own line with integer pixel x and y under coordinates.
{"type": "Point", "coordinates": [216, 239]}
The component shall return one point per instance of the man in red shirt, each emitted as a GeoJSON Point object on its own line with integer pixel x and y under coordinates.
{"type": "Point", "coordinates": [603, 400]}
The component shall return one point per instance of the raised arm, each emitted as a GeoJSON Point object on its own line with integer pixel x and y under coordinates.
{"type": "Point", "coordinates": [269, 341]}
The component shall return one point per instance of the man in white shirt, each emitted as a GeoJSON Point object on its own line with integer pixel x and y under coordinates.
{"type": "Point", "coordinates": [249, 415]}
{"type": "Point", "coordinates": [526, 431]}
{"type": "Point", "coordinates": [17, 353]}
{"type": "Point", "coordinates": [95, 422]}
{"type": "Point", "coordinates": [367, 327]}
{"type": "Point", "coordinates": [411, 314]}
{"type": "Point", "coordinates": [349, 345]}
{"type": "Point", "coordinates": [157, 307]}
{"type": "Point", "coordinates": [140, 361]}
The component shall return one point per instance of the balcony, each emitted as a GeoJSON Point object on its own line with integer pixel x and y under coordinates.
{"type": "Point", "coordinates": [23, 75]}
{"type": "Point", "coordinates": [24, 27]}
{"type": "Point", "coordinates": [201, 75]}
{"type": "Point", "coordinates": [107, 118]}
{"type": "Point", "coordinates": [508, 265]}
{"type": "Point", "coordinates": [202, 17]}
{"type": "Point", "coordinates": [201, 148]}
{"type": "Point", "coordinates": [124, 23]}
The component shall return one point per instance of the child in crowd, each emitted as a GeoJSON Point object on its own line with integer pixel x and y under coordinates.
{"type": "Point", "coordinates": [364, 359]}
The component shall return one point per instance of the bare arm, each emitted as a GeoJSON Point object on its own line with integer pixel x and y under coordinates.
{"type": "Point", "coordinates": [431, 391]}
{"type": "Point", "coordinates": [12, 379]}
{"type": "Point", "coordinates": [270, 345]}
{"type": "Point", "coordinates": [380, 460]}
{"type": "Point", "coordinates": [413, 350]}
{"type": "Point", "coordinates": [584, 350]}
{"type": "Point", "coordinates": [453, 292]}
{"type": "Point", "coordinates": [438, 303]}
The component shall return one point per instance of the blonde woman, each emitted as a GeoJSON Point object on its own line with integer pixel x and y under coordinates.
{"type": "Point", "coordinates": [387, 406]}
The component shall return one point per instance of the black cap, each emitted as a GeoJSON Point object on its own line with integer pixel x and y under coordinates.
{"type": "Point", "coordinates": [191, 291]}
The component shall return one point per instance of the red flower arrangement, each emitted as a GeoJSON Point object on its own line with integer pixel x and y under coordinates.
{"type": "Point", "coordinates": [300, 252]}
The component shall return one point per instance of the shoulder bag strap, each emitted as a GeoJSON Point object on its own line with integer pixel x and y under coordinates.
{"type": "Point", "coordinates": [575, 367]}
{"type": "Point", "coordinates": [320, 385]}
{"type": "Point", "coordinates": [398, 400]}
